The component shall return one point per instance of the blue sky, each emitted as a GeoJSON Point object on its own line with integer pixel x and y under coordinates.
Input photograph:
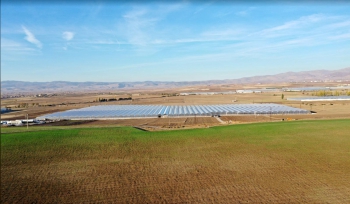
{"type": "Point", "coordinates": [176, 41]}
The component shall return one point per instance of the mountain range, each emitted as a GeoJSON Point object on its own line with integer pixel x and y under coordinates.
{"type": "Point", "coordinates": [13, 87]}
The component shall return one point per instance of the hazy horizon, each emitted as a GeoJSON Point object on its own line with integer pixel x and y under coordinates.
{"type": "Point", "coordinates": [173, 81]}
{"type": "Point", "coordinates": [176, 41]}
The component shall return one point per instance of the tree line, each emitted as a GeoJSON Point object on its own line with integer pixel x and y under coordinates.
{"type": "Point", "coordinates": [331, 93]}
{"type": "Point", "coordinates": [112, 99]}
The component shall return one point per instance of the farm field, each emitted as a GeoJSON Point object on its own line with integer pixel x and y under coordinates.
{"type": "Point", "coordinates": [324, 110]}
{"type": "Point", "coordinates": [280, 162]}
{"type": "Point", "coordinates": [158, 123]}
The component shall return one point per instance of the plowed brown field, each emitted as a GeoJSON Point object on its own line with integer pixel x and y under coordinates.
{"type": "Point", "coordinates": [157, 122]}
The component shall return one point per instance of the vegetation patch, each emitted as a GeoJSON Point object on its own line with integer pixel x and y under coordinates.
{"type": "Point", "coordinates": [282, 162]}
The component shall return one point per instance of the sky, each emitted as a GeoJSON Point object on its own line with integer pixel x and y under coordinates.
{"type": "Point", "coordinates": [109, 41]}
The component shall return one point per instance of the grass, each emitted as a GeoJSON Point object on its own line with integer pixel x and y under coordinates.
{"type": "Point", "coordinates": [299, 161]}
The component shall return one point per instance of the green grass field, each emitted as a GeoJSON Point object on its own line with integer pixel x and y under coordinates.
{"type": "Point", "coordinates": [283, 162]}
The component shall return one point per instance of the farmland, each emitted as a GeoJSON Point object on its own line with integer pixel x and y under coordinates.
{"type": "Point", "coordinates": [279, 162]}
{"type": "Point", "coordinates": [39, 106]}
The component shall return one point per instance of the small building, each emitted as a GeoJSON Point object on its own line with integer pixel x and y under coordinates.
{"type": "Point", "coordinates": [245, 91]}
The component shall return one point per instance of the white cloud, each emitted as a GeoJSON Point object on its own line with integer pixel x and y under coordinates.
{"type": "Point", "coordinates": [134, 14]}
{"type": "Point", "coordinates": [245, 12]}
{"type": "Point", "coordinates": [339, 24]}
{"type": "Point", "coordinates": [340, 37]}
{"type": "Point", "coordinates": [138, 25]}
{"type": "Point", "coordinates": [68, 35]}
{"type": "Point", "coordinates": [302, 21]}
{"type": "Point", "coordinates": [10, 45]}
{"type": "Point", "coordinates": [203, 7]}
{"type": "Point", "coordinates": [223, 34]}
{"type": "Point", "coordinates": [31, 38]}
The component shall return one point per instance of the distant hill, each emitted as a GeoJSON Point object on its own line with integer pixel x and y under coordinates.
{"type": "Point", "coordinates": [305, 76]}
{"type": "Point", "coordinates": [12, 87]}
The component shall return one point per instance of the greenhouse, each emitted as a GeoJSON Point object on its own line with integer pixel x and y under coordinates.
{"type": "Point", "coordinates": [321, 98]}
{"type": "Point", "coordinates": [149, 111]}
